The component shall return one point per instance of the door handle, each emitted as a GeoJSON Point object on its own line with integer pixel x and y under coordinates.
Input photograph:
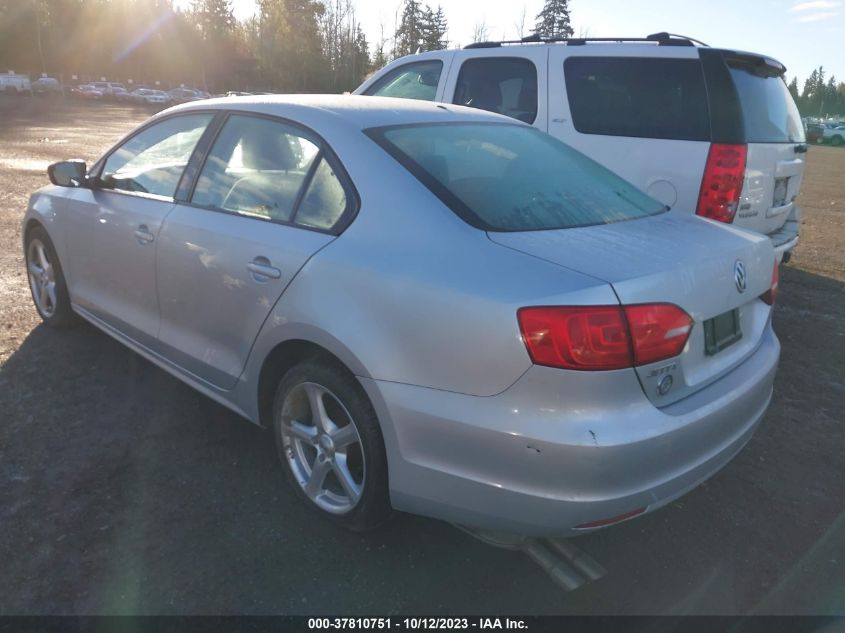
{"type": "Point", "coordinates": [801, 148]}
{"type": "Point", "coordinates": [143, 235]}
{"type": "Point", "coordinates": [260, 267]}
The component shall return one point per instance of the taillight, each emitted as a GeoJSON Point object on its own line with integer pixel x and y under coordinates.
{"type": "Point", "coordinates": [771, 295]}
{"type": "Point", "coordinates": [721, 185]}
{"type": "Point", "coordinates": [658, 331]}
{"type": "Point", "coordinates": [603, 337]}
{"type": "Point", "coordinates": [593, 337]}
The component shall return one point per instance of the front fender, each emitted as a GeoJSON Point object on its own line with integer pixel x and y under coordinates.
{"type": "Point", "coordinates": [46, 207]}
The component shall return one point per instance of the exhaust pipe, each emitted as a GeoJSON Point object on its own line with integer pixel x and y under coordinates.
{"type": "Point", "coordinates": [567, 565]}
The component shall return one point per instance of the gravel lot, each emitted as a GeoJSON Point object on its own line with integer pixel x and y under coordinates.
{"type": "Point", "coordinates": [122, 491]}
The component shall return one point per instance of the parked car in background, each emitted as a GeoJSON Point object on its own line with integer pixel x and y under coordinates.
{"type": "Point", "coordinates": [102, 86]}
{"type": "Point", "coordinates": [116, 90]}
{"type": "Point", "coordinates": [86, 91]}
{"type": "Point", "coordinates": [183, 95]}
{"type": "Point", "coordinates": [119, 94]}
{"type": "Point", "coordinates": [149, 96]}
{"type": "Point", "coordinates": [833, 133]}
{"type": "Point", "coordinates": [109, 88]}
{"type": "Point", "coordinates": [815, 132]}
{"type": "Point", "coordinates": [567, 353]}
{"type": "Point", "coordinates": [14, 84]}
{"type": "Point", "coordinates": [708, 131]}
{"type": "Point", "coordinates": [47, 86]}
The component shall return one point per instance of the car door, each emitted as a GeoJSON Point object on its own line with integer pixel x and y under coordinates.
{"type": "Point", "coordinates": [269, 196]}
{"type": "Point", "coordinates": [111, 228]}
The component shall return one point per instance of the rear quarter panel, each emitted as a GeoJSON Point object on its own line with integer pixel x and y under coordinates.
{"type": "Point", "coordinates": [410, 293]}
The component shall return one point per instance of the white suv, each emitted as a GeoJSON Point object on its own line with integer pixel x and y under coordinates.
{"type": "Point", "coordinates": [703, 130]}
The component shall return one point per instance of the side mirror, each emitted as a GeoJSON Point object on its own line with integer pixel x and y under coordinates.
{"type": "Point", "coordinates": [68, 173]}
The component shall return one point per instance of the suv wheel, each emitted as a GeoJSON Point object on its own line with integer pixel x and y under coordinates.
{"type": "Point", "coordinates": [46, 280]}
{"type": "Point", "coordinates": [836, 140]}
{"type": "Point", "coordinates": [330, 444]}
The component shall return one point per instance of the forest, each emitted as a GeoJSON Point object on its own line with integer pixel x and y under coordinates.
{"type": "Point", "coordinates": [286, 46]}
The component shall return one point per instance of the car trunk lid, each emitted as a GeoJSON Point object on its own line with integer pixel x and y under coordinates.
{"type": "Point", "coordinates": [670, 258]}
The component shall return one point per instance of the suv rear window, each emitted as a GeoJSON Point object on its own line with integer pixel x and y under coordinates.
{"type": "Point", "coordinates": [638, 96]}
{"type": "Point", "coordinates": [768, 111]}
{"type": "Point", "coordinates": [511, 177]}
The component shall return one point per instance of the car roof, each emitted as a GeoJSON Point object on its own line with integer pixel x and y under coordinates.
{"type": "Point", "coordinates": [354, 110]}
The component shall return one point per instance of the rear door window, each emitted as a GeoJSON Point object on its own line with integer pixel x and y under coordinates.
{"type": "Point", "coordinates": [769, 113]}
{"type": "Point", "coordinates": [638, 96]}
{"type": "Point", "coordinates": [417, 80]}
{"type": "Point", "coordinates": [256, 168]}
{"type": "Point", "coordinates": [505, 85]}
{"type": "Point", "coordinates": [270, 170]}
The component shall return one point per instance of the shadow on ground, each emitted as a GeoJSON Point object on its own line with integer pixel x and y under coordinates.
{"type": "Point", "coordinates": [124, 491]}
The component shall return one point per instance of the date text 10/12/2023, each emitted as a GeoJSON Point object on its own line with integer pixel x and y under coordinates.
{"type": "Point", "coordinates": [417, 623]}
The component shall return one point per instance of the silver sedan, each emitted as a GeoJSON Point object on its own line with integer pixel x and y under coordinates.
{"type": "Point", "coordinates": [435, 309]}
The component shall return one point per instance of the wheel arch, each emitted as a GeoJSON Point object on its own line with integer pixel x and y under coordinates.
{"type": "Point", "coordinates": [30, 224]}
{"type": "Point", "coordinates": [284, 355]}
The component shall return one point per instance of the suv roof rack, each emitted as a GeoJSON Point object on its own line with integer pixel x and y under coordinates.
{"type": "Point", "coordinates": [662, 39]}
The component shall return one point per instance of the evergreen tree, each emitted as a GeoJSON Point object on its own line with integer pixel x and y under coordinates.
{"type": "Point", "coordinates": [434, 29]}
{"type": "Point", "coordinates": [380, 57]}
{"type": "Point", "coordinates": [553, 20]}
{"type": "Point", "coordinates": [214, 18]}
{"type": "Point", "coordinates": [216, 24]}
{"type": "Point", "coordinates": [813, 93]}
{"type": "Point", "coordinates": [409, 36]}
{"type": "Point", "coordinates": [793, 89]}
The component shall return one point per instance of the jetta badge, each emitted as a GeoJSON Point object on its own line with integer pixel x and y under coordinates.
{"type": "Point", "coordinates": [739, 275]}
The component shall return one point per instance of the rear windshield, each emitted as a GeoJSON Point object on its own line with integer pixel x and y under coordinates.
{"type": "Point", "coordinates": [510, 177]}
{"type": "Point", "coordinates": [769, 113]}
{"type": "Point", "coordinates": [644, 97]}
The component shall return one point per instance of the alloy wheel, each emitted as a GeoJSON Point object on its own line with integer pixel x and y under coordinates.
{"type": "Point", "coordinates": [42, 278]}
{"type": "Point", "coordinates": [323, 448]}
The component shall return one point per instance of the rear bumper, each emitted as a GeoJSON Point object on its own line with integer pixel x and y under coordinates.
{"type": "Point", "coordinates": [786, 237]}
{"type": "Point", "coordinates": [559, 449]}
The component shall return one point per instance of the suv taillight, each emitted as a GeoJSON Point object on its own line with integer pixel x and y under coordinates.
{"type": "Point", "coordinates": [721, 185]}
{"type": "Point", "coordinates": [771, 295]}
{"type": "Point", "coordinates": [603, 337]}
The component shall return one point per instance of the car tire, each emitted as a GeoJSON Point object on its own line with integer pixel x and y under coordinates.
{"type": "Point", "coordinates": [46, 280]}
{"type": "Point", "coordinates": [836, 141]}
{"type": "Point", "coordinates": [335, 458]}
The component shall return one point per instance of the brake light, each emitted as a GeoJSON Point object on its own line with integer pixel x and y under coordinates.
{"type": "Point", "coordinates": [771, 295]}
{"type": "Point", "coordinates": [589, 337]}
{"type": "Point", "coordinates": [658, 331]}
{"type": "Point", "coordinates": [721, 185]}
{"type": "Point", "coordinates": [603, 337]}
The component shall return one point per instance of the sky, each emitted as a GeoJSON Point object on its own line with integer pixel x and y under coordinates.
{"type": "Point", "coordinates": [802, 34]}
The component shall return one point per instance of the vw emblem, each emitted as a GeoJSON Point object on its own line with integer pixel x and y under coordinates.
{"type": "Point", "coordinates": [664, 384]}
{"type": "Point", "coordinates": [739, 275]}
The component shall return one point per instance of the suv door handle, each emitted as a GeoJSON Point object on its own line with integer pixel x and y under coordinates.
{"type": "Point", "coordinates": [262, 270]}
{"type": "Point", "coordinates": [143, 235]}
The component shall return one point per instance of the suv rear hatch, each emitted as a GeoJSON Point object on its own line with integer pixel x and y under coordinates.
{"type": "Point", "coordinates": [671, 258]}
{"type": "Point", "coordinates": [773, 134]}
